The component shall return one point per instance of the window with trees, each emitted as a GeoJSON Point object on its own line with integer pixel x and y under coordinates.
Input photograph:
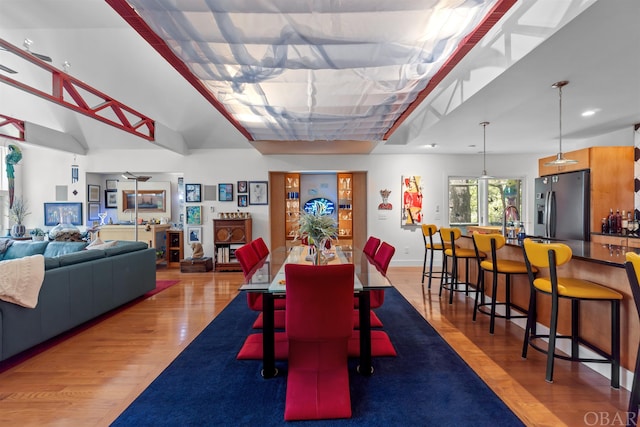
{"type": "Point", "coordinates": [474, 201]}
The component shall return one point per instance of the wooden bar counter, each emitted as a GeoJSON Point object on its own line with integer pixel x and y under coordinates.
{"type": "Point", "coordinates": [598, 262]}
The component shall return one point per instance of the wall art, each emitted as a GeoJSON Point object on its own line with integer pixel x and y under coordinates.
{"type": "Point", "coordinates": [411, 200]}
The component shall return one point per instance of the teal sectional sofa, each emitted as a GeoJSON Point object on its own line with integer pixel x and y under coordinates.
{"type": "Point", "coordinates": [79, 285]}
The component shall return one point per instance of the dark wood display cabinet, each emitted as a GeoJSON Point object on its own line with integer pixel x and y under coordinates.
{"type": "Point", "coordinates": [175, 248]}
{"type": "Point", "coordinates": [228, 235]}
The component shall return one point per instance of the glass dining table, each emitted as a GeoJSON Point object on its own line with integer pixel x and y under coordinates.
{"type": "Point", "coordinates": [268, 277]}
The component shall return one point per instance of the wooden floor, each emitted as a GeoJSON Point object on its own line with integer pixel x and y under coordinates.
{"type": "Point", "coordinates": [91, 377]}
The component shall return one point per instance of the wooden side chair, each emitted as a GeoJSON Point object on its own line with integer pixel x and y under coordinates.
{"type": "Point", "coordinates": [550, 256]}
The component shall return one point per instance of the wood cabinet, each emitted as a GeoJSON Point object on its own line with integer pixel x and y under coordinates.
{"type": "Point", "coordinates": [292, 205]}
{"type": "Point", "coordinates": [355, 216]}
{"type": "Point", "coordinates": [228, 235]}
{"type": "Point", "coordinates": [612, 180]}
{"type": "Point", "coordinates": [155, 235]}
{"type": "Point", "coordinates": [345, 205]}
{"type": "Point", "coordinates": [175, 248]}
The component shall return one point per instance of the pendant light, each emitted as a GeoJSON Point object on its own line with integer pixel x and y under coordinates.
{"type": "Point", "coordinates": [484, 151]}
{"type": "Point", "coordinates": [560, 159]}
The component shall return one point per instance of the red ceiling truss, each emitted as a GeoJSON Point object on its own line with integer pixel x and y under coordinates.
{"type": "Point", "coordinates": [74, 94]}
{"type": "Point", "coordinates": [8, 127]}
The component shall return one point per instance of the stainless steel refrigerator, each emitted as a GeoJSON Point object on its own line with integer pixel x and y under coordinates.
{"type": "Point", "coordinates": [562, 206]}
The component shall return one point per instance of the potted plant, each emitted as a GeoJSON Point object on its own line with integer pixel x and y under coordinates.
{"type": "Point", "coordinates": [37, 234]}
{"type": "Point", "coordinates": [17, 214]}
{"type": "Point", "coordinates": [318, 227]}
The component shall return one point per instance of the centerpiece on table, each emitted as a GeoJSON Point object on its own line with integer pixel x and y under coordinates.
{"type": "Point", "coordinates": [319, 228]}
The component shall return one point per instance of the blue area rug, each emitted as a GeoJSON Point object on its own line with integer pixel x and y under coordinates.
{"type": "Point", "coordinates": [427, 384]}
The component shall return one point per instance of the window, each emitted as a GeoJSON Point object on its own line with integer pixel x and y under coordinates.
{"type": "Point", "coordinates": [471, 200]}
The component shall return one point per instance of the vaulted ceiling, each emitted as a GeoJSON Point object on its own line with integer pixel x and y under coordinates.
{"type": "Point", "coordinates": [282, 76]}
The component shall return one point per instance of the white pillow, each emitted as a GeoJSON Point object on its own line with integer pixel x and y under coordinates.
{"type": "Point", "coordinates": [99, 244]}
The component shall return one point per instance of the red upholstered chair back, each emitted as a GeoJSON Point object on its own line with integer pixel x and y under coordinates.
{"type": "Point", "coordinates": [260, 247]}
{"type": "Point", "coordinates": [319, 301]}
{"type": "Point", "coordinates": [247, 257]}
{"type": "Point", "coordinates": [371, 246]}
{"type": "Point", "coordinates": [383, 256]}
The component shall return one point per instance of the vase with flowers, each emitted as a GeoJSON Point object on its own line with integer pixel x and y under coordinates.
{"type": "Point", "coordinates": [319, 228]}
{"type": "Point", "coordinates": [17, 213]}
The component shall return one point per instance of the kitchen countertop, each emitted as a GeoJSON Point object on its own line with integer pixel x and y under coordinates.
{"type": "Point", "coordinates": [613, 255]}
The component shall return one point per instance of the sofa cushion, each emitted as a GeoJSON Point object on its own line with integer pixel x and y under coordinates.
{"type": "Point", "coordinates": [55, 249]}
{"type": "Point", "coordinates": [78, 257]}
{"type": "Point", "coordinates": [22, 249]}
{"type": "Point", "coordinates": [124, 247]}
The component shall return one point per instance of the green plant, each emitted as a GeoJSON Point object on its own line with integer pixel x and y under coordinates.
{"type": "Point", "coordinates": [19, 210]}
{"type": "Point", "coordinates": [318, 226]}
{"type": "Point", "coordinates": [37, 232]}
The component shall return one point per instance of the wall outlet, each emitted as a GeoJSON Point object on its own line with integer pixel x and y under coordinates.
{"type": "Point", "coordinates": [406, 249]}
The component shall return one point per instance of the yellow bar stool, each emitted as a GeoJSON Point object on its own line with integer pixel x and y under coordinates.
{"type": "Point", "coordinates": [449, 281]}
{"type": "Point", "coordinates": [551, 255]}
{"type": "Point", "coordinates": [430, 247]}
{"type": "Point", "coordinates": [633, 273]}
{"type": "Point", "coordinates": [491, 243]}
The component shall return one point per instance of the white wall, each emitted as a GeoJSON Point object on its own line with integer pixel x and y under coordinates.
{"type": "Point", "coordinates": [211, 167]}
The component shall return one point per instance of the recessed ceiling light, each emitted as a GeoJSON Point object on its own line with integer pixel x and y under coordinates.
{"type": "Point", "coordinates": [434, 145]}
{"type": "Point", "coordinates": [588, 113]}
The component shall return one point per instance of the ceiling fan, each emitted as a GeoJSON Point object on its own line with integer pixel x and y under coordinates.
{"type": "Point", "coordinates": [27, 45]}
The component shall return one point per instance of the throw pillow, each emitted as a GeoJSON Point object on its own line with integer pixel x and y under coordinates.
{"type": "Point", "coordinates": [102, 245]}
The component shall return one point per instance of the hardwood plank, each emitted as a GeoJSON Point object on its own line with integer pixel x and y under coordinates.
{"type": "Point", "coordinates": [92, 376]}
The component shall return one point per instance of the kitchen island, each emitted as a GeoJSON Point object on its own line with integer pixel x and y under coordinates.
{"type": "Point", "coordinates": [598, 262]}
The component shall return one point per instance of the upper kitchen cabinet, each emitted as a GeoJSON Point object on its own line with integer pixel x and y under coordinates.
{"type": "Point", "coordinates": [612, 180]}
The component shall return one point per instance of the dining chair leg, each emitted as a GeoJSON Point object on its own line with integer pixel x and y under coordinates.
{"type": "Point", "coordinates": [479, 293]}
{"type": "Point", "coordinates": [444, 276]}
{"type": "Point", "coordinates": [634, 397]}
{"type": "Point", "coordinates": [615, 343]}
{"type": "Point", "coordinates": [424, 266]}
{"type": "Point", "coordinates": [454, 279]}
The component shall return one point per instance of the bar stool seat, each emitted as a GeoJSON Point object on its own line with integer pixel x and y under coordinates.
{"type": "Point", "coordinates": [492, 243]}
{"type": "Point", "coordinates": [430, 248]}
{"type": "Point", "coordinates": [551, 255]}
{"type": "Point", "coordinates": [449, 281]}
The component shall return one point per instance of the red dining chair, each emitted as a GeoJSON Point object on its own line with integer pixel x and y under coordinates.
{"type": "Point", "coordinates": [260, 247]}
{"type": "Point", "coordinates": [319, 323]}
{"type": "Point", "coordinates": [383, 256]}
{"type": "Point", "coordinates": [381, 260]}
{"type": "Point", "coordinates": [371, 246]}
{"type": "Point", "coordinates": [249, 259]}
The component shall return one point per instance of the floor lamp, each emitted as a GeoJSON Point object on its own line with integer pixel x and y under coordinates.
{"type": "Point", "coordinates": [135, 179]}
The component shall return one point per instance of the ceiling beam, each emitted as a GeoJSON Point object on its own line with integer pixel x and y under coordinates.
{"type": "Point", "coordinates": [70, 92]}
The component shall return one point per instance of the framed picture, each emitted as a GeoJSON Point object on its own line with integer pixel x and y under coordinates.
{"type": "Point", "coordinates": [225, 192]}
{"type": "Point", "coordinates": [110, 199]}
{"type": "Point", "coordinates": [195, 234]}
{"type": "Point", "coordinates": [67, 213]}
{"type": "Point", "coordinates": [194, 215]}
{"type": "Point", "coordinates": [242, 200]}
{"type": "Point", "coordinates": [258, 193]}
{"type": "Point", "coordinates": [112, 184]}
{"type": "Point", "coordinates": [148, 200]}
{"type": "Point", "coordinates": [93, 211]}
{"type": "Point", "coordinates": [193, 193]}
{"type": "Point", "coordinates": [242, 187]}
{"type": "Point", "coordinates": [93, 193]}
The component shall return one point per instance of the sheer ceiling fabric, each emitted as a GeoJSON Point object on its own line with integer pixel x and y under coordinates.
{"type": "Point", "coordinates": [314, 70]}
